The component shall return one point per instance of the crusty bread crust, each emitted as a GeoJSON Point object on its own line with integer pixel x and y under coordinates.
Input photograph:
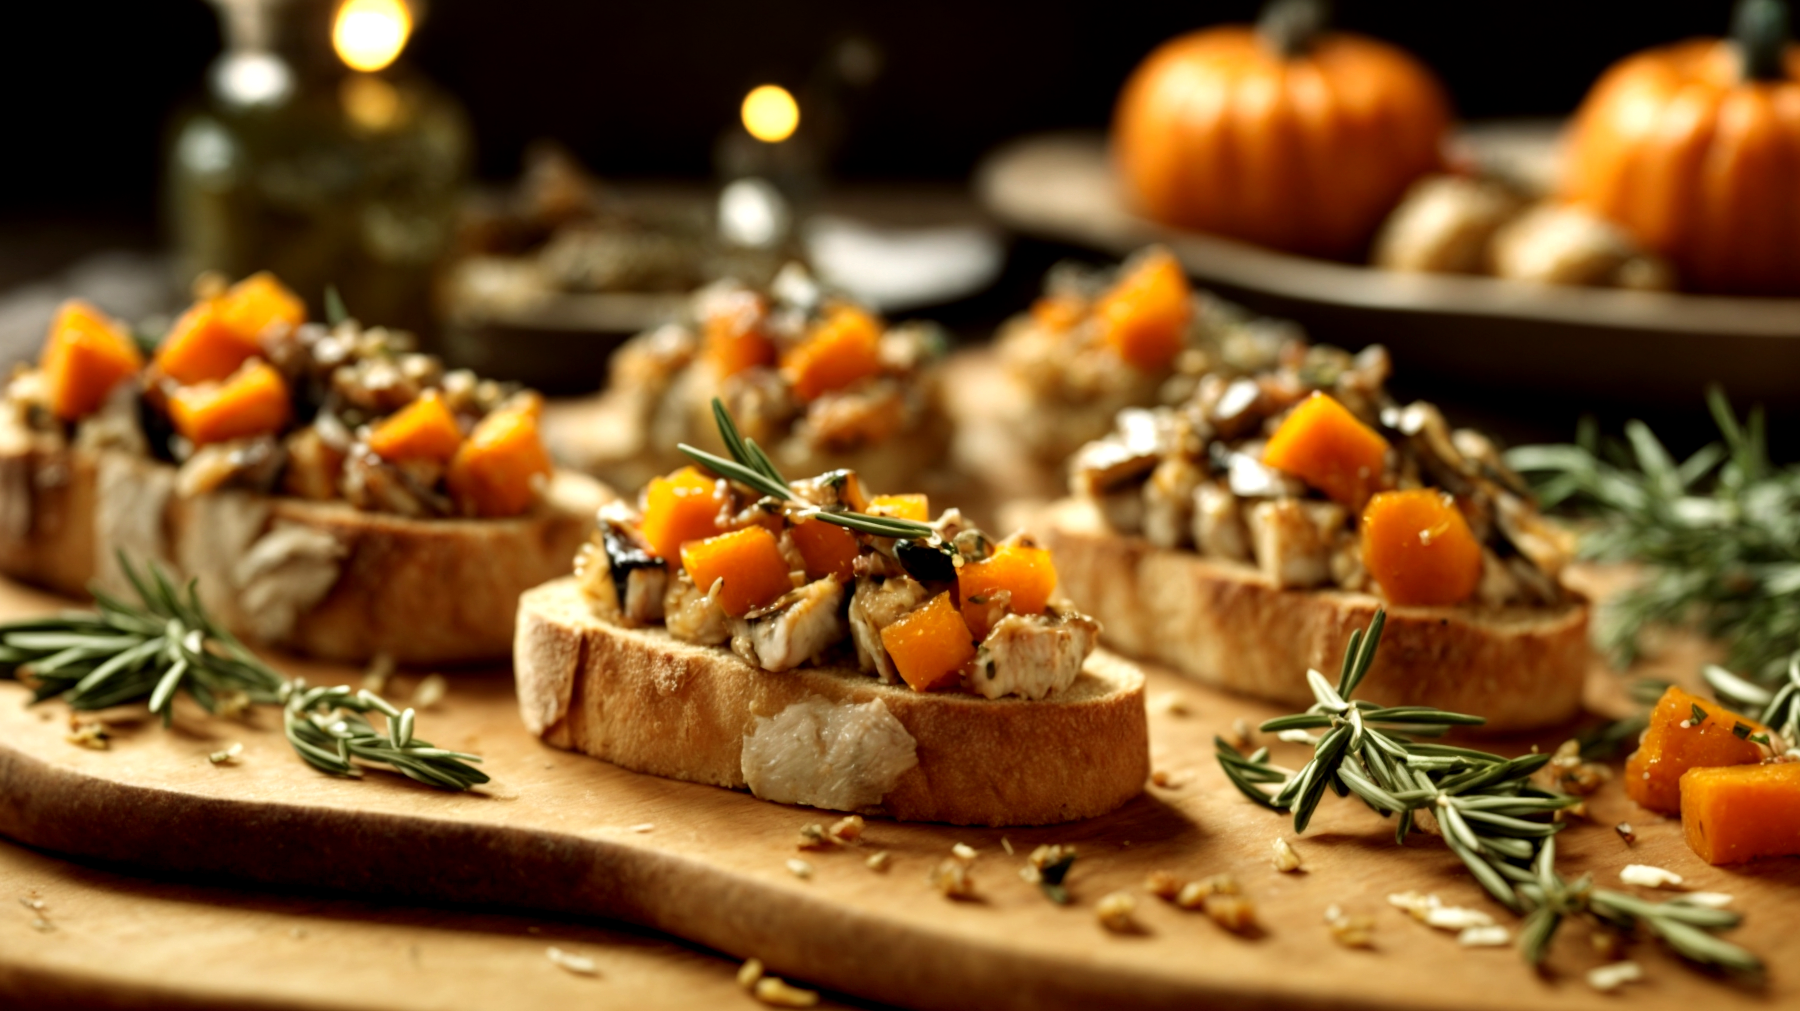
{"type": "Point", "coordinates": [423, 591]}
{"type": "Point", "coordinates": [1226, 625]}
{"type": "Point", "coordinates": [643, 700]}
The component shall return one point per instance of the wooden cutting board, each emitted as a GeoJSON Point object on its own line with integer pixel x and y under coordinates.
{"type": "Point", "coordinates": [561, 833]}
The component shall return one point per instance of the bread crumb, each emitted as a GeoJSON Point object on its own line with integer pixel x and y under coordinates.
{"type": "Point", "coordinates": [1163, 885]}
{"type": "Point", "coordinates": [1350, 931]}
{"type": "Point", "coordinates": [800, 869]}
{"type": "Point", "coordinates": [1114, 911]}
{"type": "Point", "coordinates": [580, 965]}
{"type": "Point", "coordinates": [952, 878]}
{"type": "Point", "coordinates": [749, 973]}
{"type": "Point", "coordinates": [963, 851]}
{"type": "Point", "coordinates": [813, 837]}
{"type": "Point", "coordinates": [1287, 861]}
{"type": "Point", "coordinates": [1607, 978]}
{"type": "Point", "coordinates": [1647, 876]}
{"type": "Point", "coordinates": [848, 829]}
{"type": "Point", "coordinates": [1169, 780]}
{"type": "Point", "coordinates": [775, 992]}
{"type": "Point", "coordinates": [878, 861]}
{"type": "Point", "coordinates": [1567, 772]}
{"type": "Point", "coordinates": [228, 755]}
{"type": "Point", "coordinates": [1194, 894]}
{"type": "Point", "coordinates": [88, 735]}
{"type": "Point", "coordinates": [430, 691]}
{"type": "Point", "coordinates": [1233, 912]}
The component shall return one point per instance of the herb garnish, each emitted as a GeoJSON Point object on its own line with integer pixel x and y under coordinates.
{"type": "Point", "coordinates": [1486, 809]}
{"type": "Point", "coordinates": [166, 643]}
{"type": "Point", "coordinates": [1778, 709]}
{"type": "Point", "coordinates": [1718, 532]}
{"type": "Point", "coordinates": [749, 465]}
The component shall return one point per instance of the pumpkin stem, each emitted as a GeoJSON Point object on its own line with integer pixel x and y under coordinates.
{"type": "Point", "coordinates": [1290, 27]}
{"type": "Point", "coordinates": [1760, 29]}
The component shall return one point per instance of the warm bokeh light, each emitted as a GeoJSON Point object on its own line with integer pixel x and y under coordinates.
{"type": "Point", "coordinates": [369, 34]}
{"type": "Point", "coordinates": [770, 113]}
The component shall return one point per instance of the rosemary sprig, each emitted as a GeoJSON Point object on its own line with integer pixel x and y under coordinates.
{"type": "Point", "coordinates": [750, 466]}
{"type": "Point", "coordinates": [1484, 805]}
{"type": "Point", "coordinates": [1779, 710]}
{"type": "Point", "coordinates": [1719, 534]}
{"type": "Point", "coordinates": [150, 651]}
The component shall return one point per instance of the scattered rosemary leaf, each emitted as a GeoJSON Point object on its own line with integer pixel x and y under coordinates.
{"type": "Point", "coordinates": [1699, 714]}
{"type": "Point", "coordinates": [580, 965]}
{"type": "Point", "coordinates": [1115, 910]}
{"type": "Point", "coordinates": [1741, 731]}
{"type": "Point", "coordinates": [1048, 868]}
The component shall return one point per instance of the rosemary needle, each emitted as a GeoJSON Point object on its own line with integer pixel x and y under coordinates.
{"type": "Point", "coordinates": [1484, 805]}
{"type": "Point", "coordinates": [166, 643]}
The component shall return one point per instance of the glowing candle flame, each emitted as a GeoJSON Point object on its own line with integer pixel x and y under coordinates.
{"type": "Point", "coordinates": [369, 34]}
{"type": "Point", "coordinates": [770, 113]}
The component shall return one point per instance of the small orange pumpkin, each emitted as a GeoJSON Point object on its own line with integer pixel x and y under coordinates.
{"type": "Point", "coordinates": [1281, 134]}
{"type": "Point", "coordinates": [1695, 149]}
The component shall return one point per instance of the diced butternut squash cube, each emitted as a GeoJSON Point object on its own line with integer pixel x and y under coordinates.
{"type": "Point", "coordinates": [1742, 812]}
{"type": "Point", "coordinates": [829, 550]}
{"type": "Point", "coordinates": [901, 507]}
{"type": "Point", "coordinates": [201, 347]}
{"type": "Point", "coordinates": [1418, 546]}
{"type": "Point", "coordinates": [425, 429]}
{"type": "Point", "coordinates": [842, 350]}
{"type": "Point", "coordinates": [86, 356]}
{"type": "Point", "coordinates": [1022, 570]}
{"type": "Point", "coordinates": [1675, 742]}
{"type": "Point", "coordinates": [1322, 443]}
{"type": "Point", "coordinates": [253, 401]}
{"type": "Point", "coordinates": [930, 644]}
{"type": "Point", "coordinates": [1144, 317]}
{"type": "Point", "coordinates": [500, 468]}
{"type": "Point", "coordinates": [748, 560]}
{"type": "Point", "coordinates": [682, 507]}
{"type": "Point", "coordinates": [735, 335]}
{"type": "Point", "coordinates": [257, 303]}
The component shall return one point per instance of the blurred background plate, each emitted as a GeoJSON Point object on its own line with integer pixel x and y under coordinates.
{"type": "Point", "coordinates": [1592, 344]}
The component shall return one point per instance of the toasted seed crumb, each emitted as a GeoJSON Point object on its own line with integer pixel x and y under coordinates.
{"type": "Point", "coordinates": [1287, 861]}
{"type": "Point", "coordinates": [648, 826]}
{"type": "Point", "coordinates": [878, 861]}
{"type": "Point", "coordinates": [776, 992]}
{"type": "Point", "coordinates": [376, 674]}
{"type": "Point", "coordinates": [430, 691]}
{"type": "Point", "coordinates": [88, 735]}
{"type": "Point", "coordinates": [963, 851]}
{"type": "Point", "coordinates": [1194, 894]}
{"type": "Point", "coordinates": [1566, 771]}
{"type": "Point", "coordinates": [580, 965]}
{"type": "Point", "coordinates": [1490, 936]}
{"type": "Point", "coordinates": [42, 925]}
{"type": "Point", "coordinates": [228, 755]}
{"type": "Point", "coordinates": [30, 903]}
{"type": "Point", "coordinates": [848, 829]}
{"type": "Point", "coordinates": [952, 878]}
{"type": "Point", "coordinates": [749, 973]}
{"type": "Point", "coordinates": [1114, 911]}
{"type": "Point", "coordinates": [1626, 832]}
{"type": "Point", "coordinates": [1163, 885]}
{"type": "Point", "coordinates": [1647, 876]}
{"type": "Point", "coordinates": [1233, 912]}
{"type": "Point", "coordinates": [1006, 844]}
{"type": "Point", "coordinates": [1350, 931]}
{"type": "Point", "coordinates": [800, 869]}
{"type": "Point", "coordinates": [1607, 978]}
{"type": "Point", "coordinates": [1172, 703]}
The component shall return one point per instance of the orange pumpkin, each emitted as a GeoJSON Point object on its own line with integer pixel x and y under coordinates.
{"type": "Point", "coordinates": [1281, 134]}
{"type": "Point", "coordinates": [1694, 148]}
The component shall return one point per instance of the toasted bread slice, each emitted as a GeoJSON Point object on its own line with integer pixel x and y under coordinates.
{"type": "Point", "coordinates": [320, 578]}
{"type": "Point", "coordinates": [826, 737]}
{"type": "Point", "coordinates": [1227, 625]}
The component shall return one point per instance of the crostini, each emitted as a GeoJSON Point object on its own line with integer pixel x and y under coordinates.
{"type": "Point", "coordinates": [820, 646]}
{"type": "Point", "coordinates": [332, 492]}
{"type": "Point", "coordinates": [819, 380]}
{"type": "Point", "coordinates": [1241, 536]}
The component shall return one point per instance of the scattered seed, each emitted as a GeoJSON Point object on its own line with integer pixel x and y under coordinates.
{"type": "Point", "coordinates": [1194, 894]}
{"type": "Point", "coordinates": [42, 925]}
{"type": "Point", "coordinates": [963, 851]}
{"type": "Point", "coordinates": [580, 965]}
{"type": "Point", "coordinates": [648, 826]}
{"type": "Point", "coordinates": [878, 861]}
{"type": "Point", "coordinates": [1350, 931]}
{"type": "Point", "coordinates": [228, 755]}
{"type": "Point", "coordinates": [1607, 978]}
{"type": "Point", "coordinates": [1491, 936]}
{"type": "Point", "coordinates": [813, 837]}
{"type": "Point", "coordinates": [951, 877]}
{"type": "Point", "coordinates": [1172, 703]}
{"type": "Point", "coordinates": [30, 903]}
{"type": "Point", "coordinates": [1163, 885]}
{"type": "Point", "coordinates": [89, 735]}
{"type": "Point", "coordinates": [1006, 844]}
{"type": "Point", "coordinates": [231, 703]}
{"type": "Point", "coordinates": [1233, 912]}
{"type": "Point", "coordinates": [775, 992]}
{"type": "Point", "coordinates": [1625, 832]}
{"type": "Point", "coordinates": [1456, 918]}
{"type": "Point", "coordinates": [749, 973]}
{"type": "Point", "coordinates": [1114, 911]}
{"type": "Point", "coordinates": [1287, 861]}
{"type": "Point", "coordinates": [1243, 735]}
{"type": "Point", "coordinates": [430, 691]}
{"type": "Point", "coordinates": [800, 869]}
{"type": "Point", "coordinates": [1647, 876]}
{"type": "Point", "coordinates": [848, 829]}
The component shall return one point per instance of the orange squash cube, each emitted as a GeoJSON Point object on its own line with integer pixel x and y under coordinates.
{"type": "Point", "coordinates": [829, 550]}
{"type": "Point", "coordinates": [930, 644]}
{"type": "Point", "coordinates": [1322, 443]}
{"type": "Point", "coordinates": [258, 302]}
{"type": "Point", "coordinates": [86, 356]}
{"type": "Point", "coordinates": [1023, 570]}
{"type": "Point", "coordinates": [684, 506]}
{"type": "Point", "coordinates": [1742, 812]}
{"type": "Point", "coordinates": [422, 430]}
{"type": "Point", "coordinates": [1144, 317]}
{"type": "Point", "coordinates": [496, 470]}
{"type": "Point", "coordinates": [901, 507]}
{"type": "Point", "coordinates": [843, 349]}
{"type": "Point", "coordinates": [201, 347]}
{"type": "Point", "coordinates": [1673, 743]}
{"type": "Point", "coordinates": [1418, 546]}
{"type": "Point", "coordinates": [748, 560]}
{"type": "Point", "coordinates": [254, 401]}
{"type": "Point", "coordinates": [734, 335]}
